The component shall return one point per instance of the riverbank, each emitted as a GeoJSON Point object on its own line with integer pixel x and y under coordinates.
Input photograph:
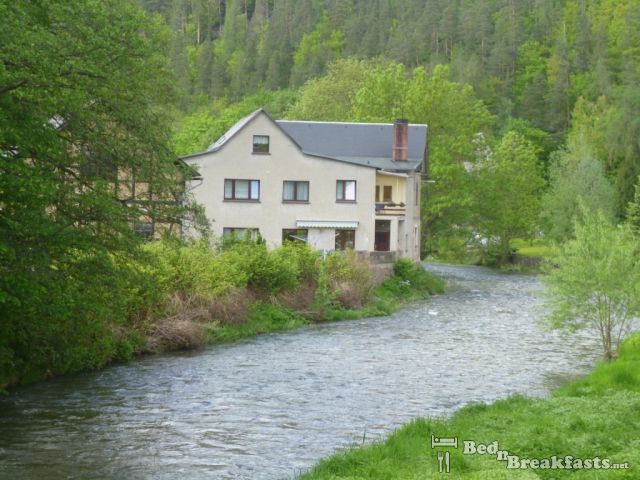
{"type": "Point", "coordinates": [595, 417]}
{"type": "Point", "coordinates": [408, 283]}
{"type": "Point", "coordinates": [182, 296]}
{"type": "Point", "coordinates": [528, 256]}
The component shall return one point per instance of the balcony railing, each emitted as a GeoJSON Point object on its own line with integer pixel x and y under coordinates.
{"type": "Point", "coordinates": [390, 208]}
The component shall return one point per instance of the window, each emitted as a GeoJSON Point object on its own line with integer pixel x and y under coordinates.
{"type": "Point", "coordinates": [241, 189]}
{"type": "Point", "coordinates": [240, 233]}
{"type": "Point", "coordinates": [345, 239]}
{"type": "Point", "coordinates": [295, 191]}
{"type": "Point", "coordinates": [377, 193]}
{"type": "Point", "coordinates": [260, 144]}
{"type": "Point", "coordinates": [387, 193]}
{"type": "Point", "coordinates": [346, 191]}
{"type": "Point", "coordinates": [295, 235]}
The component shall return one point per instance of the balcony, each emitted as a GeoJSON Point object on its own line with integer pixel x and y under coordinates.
{"type": "Point", "coordinates": [390, 208]}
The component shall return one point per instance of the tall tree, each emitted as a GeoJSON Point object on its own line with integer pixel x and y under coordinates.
{"type": "Point", "coordinates": [577, 184]}
{"type": "Point", "coordinates": [509, 184]}
{"type": "Point", "coordinates": [78, 108]}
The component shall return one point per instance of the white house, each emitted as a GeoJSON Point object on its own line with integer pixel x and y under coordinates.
{"type": "Point", "coordinates": [334, 185]}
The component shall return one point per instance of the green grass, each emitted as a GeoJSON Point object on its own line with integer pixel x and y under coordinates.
{"type": "Point", "coordinates": [597, 416]}
{"type": "Point", "coordinates": [263, 318]}
{"type": "Point", "coordinates": [533, 248]}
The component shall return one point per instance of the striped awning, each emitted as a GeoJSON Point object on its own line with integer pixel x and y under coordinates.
{"type": "Point", "coordinates": [337, 224]}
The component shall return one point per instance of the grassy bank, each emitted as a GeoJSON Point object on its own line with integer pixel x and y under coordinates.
{"type": "Point", "coordinates": [174, 295]}
{"type": "Point", "coordinates": [527, 256]}
{"type": "Point", "coordinates": [596, 416]}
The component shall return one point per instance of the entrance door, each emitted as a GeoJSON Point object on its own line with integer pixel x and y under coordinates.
{"type": "Point", "coordinates": [383, 236]}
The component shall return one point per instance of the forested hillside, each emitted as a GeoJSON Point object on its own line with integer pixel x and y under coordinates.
{"type": "Point", "coordinates": [563, 74]}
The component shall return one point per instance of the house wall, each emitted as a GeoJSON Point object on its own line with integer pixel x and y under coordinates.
{"type": "Point", "coordinates": [412, 224]}
{"type": "Point", "coordinates": [285, 161]}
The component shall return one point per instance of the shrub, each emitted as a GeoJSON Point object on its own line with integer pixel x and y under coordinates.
{"type": "Point", "coordinates": [174, 333]}
{"type": "Point", "coordinates": [267, 272]}
{"type": "Point", "coordinates": [193, 270]}
{"type": "Point", "coordinates": [350, 276]}
{"type": "Point", "coordinates": [307, 260]}
{"type": "Point", "coordinates": [233, 308]}
{"type": "Point", "coordinates": [417, 277]}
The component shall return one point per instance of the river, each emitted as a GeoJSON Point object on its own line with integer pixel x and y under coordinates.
{"type": "Point", "coordinates": [271, 406]}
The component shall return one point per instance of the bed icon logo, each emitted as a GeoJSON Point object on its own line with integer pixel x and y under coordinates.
{"type": "Point", "coordinates": [444, 457]}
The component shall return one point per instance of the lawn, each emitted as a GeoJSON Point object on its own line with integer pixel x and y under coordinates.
{"type": "Point", "coordinates": [533, 248]}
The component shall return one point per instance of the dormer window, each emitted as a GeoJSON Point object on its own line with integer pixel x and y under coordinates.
{"type": "Point", "coordinates": [260, 144]}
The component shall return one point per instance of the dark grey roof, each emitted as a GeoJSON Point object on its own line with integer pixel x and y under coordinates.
{"type": "Point", "coordinates": [366, 144]}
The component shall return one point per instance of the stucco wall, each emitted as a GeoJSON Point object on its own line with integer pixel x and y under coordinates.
{"type": "Point", "coordinates": [285, 161]}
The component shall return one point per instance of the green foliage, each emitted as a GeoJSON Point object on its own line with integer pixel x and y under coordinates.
{"type": "Point", "coordinates": [538, 248]}
{"type": "Point", "coordinates": [533, 61]}
{"type": "Point", "coordinates": [192, 270]}
{"type": "Point", "coordinates": [509, 183]}
{"type": "Point", "coordinates": [577, 184]}
{"type": "Point", "coordinates": [344, 281]}
{"type": "Point", "coordinates": [78, 106]}
{"type": "Point", "coordinates": [306, 259]}
{"type": "Point", "coordinates": [409, 282]}
{"type": "Point", "coordinates": [197, 131]}
{"type": "Point", "coordinates": [633, 210]}
{"type": "Point", "coordinates": [594, 281]}
{"type": "Point", "coordinates": [263, 318]}
{"type": "Point", "coordinates": [267, 271]}
{"type": "Point", "coordinates": [381, 91]}
{"type": "Point", "coordinates": [416, 277]}
{"type": "Point", "coordinates": [329, 98]}
{"type": "Point", "coordinates": [316, 50]}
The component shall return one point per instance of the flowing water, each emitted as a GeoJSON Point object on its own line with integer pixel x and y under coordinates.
{"type": "Point", "coordinates": [271, 406]}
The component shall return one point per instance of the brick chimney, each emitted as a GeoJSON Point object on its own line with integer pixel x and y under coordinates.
{"type": "Point", "coordinates": [400, 140]}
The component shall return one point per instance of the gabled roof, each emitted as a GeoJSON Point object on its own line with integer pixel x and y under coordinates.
{"type": "Point", "coordinates": [364, 144]}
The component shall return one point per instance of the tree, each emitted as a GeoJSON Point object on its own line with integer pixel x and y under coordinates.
{"type": "Point", "coordinates": [633, 209]}
{"type": "Point", "coordinates": [329, 98]}
{"type": "Point", "coordinates": [316, 50]}
{"type": "Point", "coordinates": [594, 281]}
{"type": "Point", "coordinates": [78, 106]}
{"type": "Point", "coordinates": [577, 184]}
{"type": "Point", "coordinates": [200, 129]}
{"type": "Point", "coordinates": [509, 183]}
{"type": "Point", "coordinates": [457, 120]}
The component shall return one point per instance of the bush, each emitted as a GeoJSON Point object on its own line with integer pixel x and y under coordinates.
{"type": "Point", "coordinates": [307, 260]}
{"type": "Point", "coordinates": [267, 272]}
{"type": "Point", "coordinates": [417, 277]}
{"type": "Point", "coordinates": [66, 323]}
{"type": "Point", "coordinates": [193, 270]}
{"type": "Point", "coordinates": [350, 276]}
